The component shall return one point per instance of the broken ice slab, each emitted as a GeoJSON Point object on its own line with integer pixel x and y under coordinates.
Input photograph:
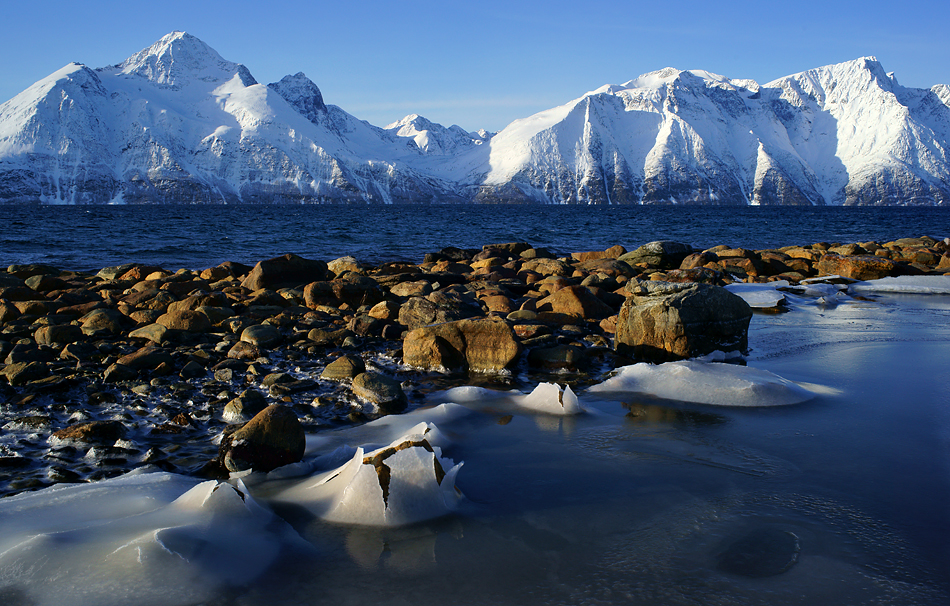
{"type": "Point", "coordinates": [405, 482]}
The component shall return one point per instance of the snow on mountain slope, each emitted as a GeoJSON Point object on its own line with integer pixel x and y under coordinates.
{"type": "Point", "coordinates": [178, 123]}
{"type": "Point", "coordinates": [845, 133]}
{"type": "Point", "coordinates": [889, 141]}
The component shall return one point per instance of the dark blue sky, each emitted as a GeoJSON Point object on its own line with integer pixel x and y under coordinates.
{"type": "Point", "coordinates": [487, 63]}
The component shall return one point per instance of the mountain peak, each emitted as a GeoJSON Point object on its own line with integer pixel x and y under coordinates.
{"type": "Point", "coordinates": [300, 92]}
{"type": "Point", "coordinates": [177, 58]}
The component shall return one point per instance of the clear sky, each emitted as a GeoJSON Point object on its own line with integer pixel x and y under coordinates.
{"type": "Point", "coordinates": [483, 64]}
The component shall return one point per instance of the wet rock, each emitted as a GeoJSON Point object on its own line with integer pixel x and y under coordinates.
{"type": "Point", "coordinates": [273, 438]}
{"type": "Point", "coordinates": [244, 407]}
{"type": "Point", "coordinates": [320, 336]}
{"type": "Point", "coordinates": [93, 432]}
{"type": "Point", "coordinates": [480, 346]}
{"type": "Point", "coordinates": [676, 321]}
{"type": "Point", "coordinates": [284, 271]}
{"type": "Point", "coordinates": [343, 368]}
{"type": "Point", "coordinates": [192, 370]}
{"type": "Point", "coordinates": [379, 389]}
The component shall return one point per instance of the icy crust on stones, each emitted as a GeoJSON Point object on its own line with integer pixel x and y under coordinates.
{"type": "Point", "coordinates": [704, 383]}
{"type": "Point", "coordinates": [405, 482]}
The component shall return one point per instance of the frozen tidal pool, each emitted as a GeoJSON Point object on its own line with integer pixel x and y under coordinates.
{"type": "Point", "coordinates": [816, 472]}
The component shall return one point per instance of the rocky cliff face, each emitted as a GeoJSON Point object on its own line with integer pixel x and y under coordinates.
{"type": "Point", "coordinates": [178, 123]}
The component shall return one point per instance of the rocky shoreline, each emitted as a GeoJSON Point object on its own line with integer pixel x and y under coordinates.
{"type": "Point", "coordinates": [137, 365]}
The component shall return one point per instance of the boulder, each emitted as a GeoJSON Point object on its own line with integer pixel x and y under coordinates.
{"type": "Point", "coordinates": [244, 407]}
{"type": "Point", "coordinates": [103, 322]}
{"type": "Point", "coordinates": [186, 320]}
{"type": "Point", "coordinates": [343, 368]}
{"type": "Point", "coordinates": [62, 334]}
{"type": "Point", "coordinates": [859, 267]}
{"type": "Point", "coordinates": [379, 389]}
{"type": "Point", "coordinates": [93, 432]}
{"type": "Point", "coordinates": [664, 322]}
{"type": "Point", "coordinates": [261, 335]}
{"type": "Point", "coordinates": [155, 333]}
{"type": "Point", "coordinates": [20, 373]}
{"type": "Point", "coordinates": [148, 357]}
{"type": "Point", "coordinates": [288, 270]}
{"type": "Point", "coordinates": [576, 301]}
{"type": "Point", "coordinates": [273, 438]}
{"type": "Point", "coordinates": [437, 308]}
{"type": "Point", "coordinates": [483, 345]}
{"type": "Point", "coordinates": [663, 254]}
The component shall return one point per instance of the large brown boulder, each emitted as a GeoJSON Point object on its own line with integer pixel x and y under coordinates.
{"type": "Point", "coordinates": [482, 345]}
{"type": "Point", "coordinates": [274, 437]}
{"type": "Point", "coordinates": [286, 271]}
{"type": "Point", "coordinates": [663, 322]}
{"type": "Point", "coordinates": [858, 267]}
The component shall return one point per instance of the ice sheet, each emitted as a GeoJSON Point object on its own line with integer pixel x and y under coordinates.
{"type": "Point", "coordinates": [704, 383]}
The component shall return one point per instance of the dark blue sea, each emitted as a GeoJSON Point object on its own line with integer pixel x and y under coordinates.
{"type": "Point", "coordinates": [84, 238]}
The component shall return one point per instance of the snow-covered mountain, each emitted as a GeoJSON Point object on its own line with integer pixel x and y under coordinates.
{"type": "Point", "coordinates": [178, 123]}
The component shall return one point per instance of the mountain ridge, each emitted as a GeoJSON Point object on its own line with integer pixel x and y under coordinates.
{"type": "Point", "coordinates": [176, 122]}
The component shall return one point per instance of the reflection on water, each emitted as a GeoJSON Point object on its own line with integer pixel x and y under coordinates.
{"type": "Point", "coordinates": [653, 413]}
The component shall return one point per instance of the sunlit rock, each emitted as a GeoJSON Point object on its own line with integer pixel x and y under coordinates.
{"type": "Point", "coordinates": [677, 321]}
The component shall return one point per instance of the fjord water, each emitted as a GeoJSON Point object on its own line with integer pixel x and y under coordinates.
{"type": "Point", "coordinates": [640, 501]}
{"type": "Point", "coordinates": [85, 238]}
